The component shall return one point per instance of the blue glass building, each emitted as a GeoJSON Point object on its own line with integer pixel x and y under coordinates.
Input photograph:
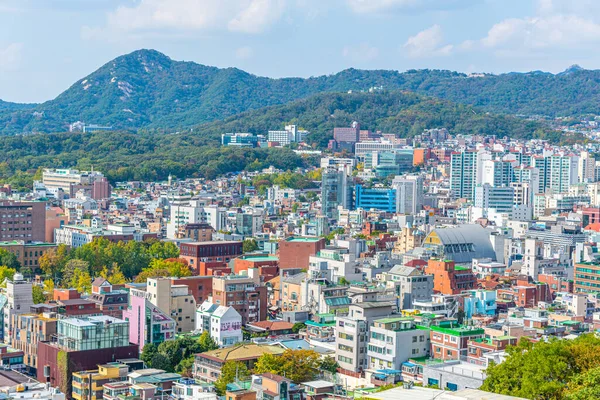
{"type": "Point", "coordinates": [383, 199]}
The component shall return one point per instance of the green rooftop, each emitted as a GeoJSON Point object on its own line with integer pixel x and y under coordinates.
{"type": "Point", "coordinates": [259, 258]}
{"type": "Point", "coordinates": [391, 320]}
{"type": "Point", "coordinates": [302, 239]}
{"type": "Point", "coordinates": [461, 268]}
{"type": "Point", "coordinates": [458, 331]}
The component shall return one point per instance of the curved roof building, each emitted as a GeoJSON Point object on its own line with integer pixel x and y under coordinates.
{"type": "Point", "coordinates": [462, 243]}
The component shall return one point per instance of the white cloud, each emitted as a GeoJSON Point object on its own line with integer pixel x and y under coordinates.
{"type": "Point", "coordinates": [244, 53]}
{"type": "Point", "coordinates": [427, 43]}
{"type": "Point", "coordinates": [557, 24]}
{"type": "Point", "coordinates": [361, 53]}
{"type": "Point", "coordinates": [535, 33]}
{"type": "Point", "coordinates": [378, 6]}
{"type": "Point", "coordinates": [10, 57]}
{"type": "Point", "coordinates": [149, 17]}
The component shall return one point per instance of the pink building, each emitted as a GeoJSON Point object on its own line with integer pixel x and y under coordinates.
{"type": "Point", "coordinates": [147, 323]}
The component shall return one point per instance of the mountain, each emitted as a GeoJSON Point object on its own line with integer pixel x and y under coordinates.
{"type": "Point", "coordinates": [148, 90]}
{"type": "Point", "coordinates": [151, 155]}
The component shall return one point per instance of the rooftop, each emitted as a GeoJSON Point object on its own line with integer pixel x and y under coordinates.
{"type": "Point", "coordinates": [303, 239]}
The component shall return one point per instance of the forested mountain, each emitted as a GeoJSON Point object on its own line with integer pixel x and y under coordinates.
{"type": "Point", "coordinates": [146, 89]}
{"type": "Point", "coordinates": [151, 155]}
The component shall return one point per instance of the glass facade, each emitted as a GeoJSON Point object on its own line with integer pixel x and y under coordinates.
{"type": "Point", "coordinates": [92, 333]}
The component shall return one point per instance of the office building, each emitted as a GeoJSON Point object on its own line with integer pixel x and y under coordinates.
{"type": "Point", "coordinates": [193, 212]}
{"type": "Point", "coordinates": [294, 252]}
{"type": "Point", "coordinates": [409, 194]}
{"type": "Point", "coordinates": [24, 221]}
{"type": "Point", "coordinates": [71, 180]}
{"type": "Point", "coordinates": [28, 330]}
{"type": "Point", "coordinates": [500, 198]}
{"type": "Point", "coordinates": [206, 252]}
{"type": "Point", "coordinates": [242, 140]}
{"type": "Point", "coordinates": [347, 135]}
{"type": "Point", "coordinates": [83, 344]}
{"type": "Point", "coordinates": [290, 134]}
{"type": "Point", "coordinates": [336, 190]}
{"type": "Point", "coordinates": [147, 322]}
{"type": "Point", "coordinates": [376, 198]}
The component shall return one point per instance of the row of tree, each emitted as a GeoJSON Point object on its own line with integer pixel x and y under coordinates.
{"type": "Point", "coordinates": [552, 370]}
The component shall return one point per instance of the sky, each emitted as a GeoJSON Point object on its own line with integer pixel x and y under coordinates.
{"type": "Point", "coordinates": [47, 45]}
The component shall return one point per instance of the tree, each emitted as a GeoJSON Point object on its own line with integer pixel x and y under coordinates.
{"type": "Point", "coordinates": [9, 259]}
{"type": "Point", "coordinates": [160, 361]}
{"type": "Point", "coordinates": [584, 386]}
{"type": "Point", "coordinates": [249, 245]}
{"type": "Point", "coordinates": [81, 281]}
{"type": "Point", "coordinates": [53, 261]}
{"type": "Point", "coordinates": [185, 366]}
{"type": "Point", "coordinates": [298, 326]}
{"type": "Point", "coordinates": [6, 273]}
{"type": "Point", "coordinates": [38, 294]}
{"type": "Point", "coordinates": [207, 343]}
{"type": "Point", "coordinates": [149, 351]}
{"type": "Point", "coordinates": [295, 207]}
{"type": "Point", "coordinates": [329, 364]}
{"type": "Point", "coordinates": [539, 371]}
{"type": "Point", "coordinates": [297, 365]}
{"type": "Point", "coordinates": [69, 270]}
{"type": "Point", "coordinates": [231, 371]}
{"type": "Point", "coordinates": [114, 275]}
{"type": "Point", "coordinates": [49, 288]}
{"type": "Point", "coordinates": [163, 250]}
{"type": "Point", "coordinates": [172, 351]}
{"type": "Point", "coordinates": [177, 267]}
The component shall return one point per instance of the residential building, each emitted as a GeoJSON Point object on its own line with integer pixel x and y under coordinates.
{"type": "Point", "coordinates": [19, 299]}
{"type": "Point", "coordinates": [28, 331]}
{"type": "Point", "coordinates": [244, 294]}
{"type": "Point", "coordinates": [223, 323]}
{"type": "Point", "coordinates": [409, 284]}
{"type": "Point", "coordinates": [450, 341]}
{"type": "Point", "coordinates": [208, 365]}
{"type": "Point", "coordinates": [393, 341]}
{"type": "Point", "coordinates": [352, 333]}
{"type": "Point", "coordinates": [448, 278]}
{"type": "Point", "coordinates": [463, 174]}
{"type": "Point", "coordinates": [89, 385]}
{"type": "Point", "coordinates": [175, 300]}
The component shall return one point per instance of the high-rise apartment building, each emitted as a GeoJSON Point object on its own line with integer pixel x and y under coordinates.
{"type": "Point", "coordinates": [463, 174]}
{"type": "Point", "coordinates": [497, 172]}
{"type": "Point", "coordinates": [409, 194]}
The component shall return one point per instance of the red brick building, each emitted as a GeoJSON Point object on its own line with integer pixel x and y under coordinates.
{"type": "Point", "coordinates": [294, 252]}
{"type": "Point", "coordinates": [448, 278]}
{"type": "Point", "coordinates": [557, 283]}
{"type": "Point", "coordinates": [198, 252]}
{"type": "Point", "coordinates": [242, 293]}
{"type": "Point", "coordinates": [450, 342]}
{"type": "Point", "coordinates": [199, 286]}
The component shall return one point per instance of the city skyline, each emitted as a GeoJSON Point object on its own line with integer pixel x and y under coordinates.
{"type": "Point", "coordinates": [280, 38]}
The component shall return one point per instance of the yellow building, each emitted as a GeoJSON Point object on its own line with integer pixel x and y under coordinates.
{"type": "Point", "coordinates": [93, 381]}
{"type": "Point", "coordinates": [409, 239]}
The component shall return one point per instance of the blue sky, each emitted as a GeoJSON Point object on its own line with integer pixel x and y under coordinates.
{"type": "Point", "coordinates": [46, 45]}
